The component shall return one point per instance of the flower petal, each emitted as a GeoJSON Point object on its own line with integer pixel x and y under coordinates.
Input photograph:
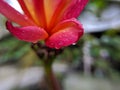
{"type": "Point", "coordinates": [66, 35]}
{"type": "Point", "coordinates": [14, 15]}
{"type": "Point", "coordinates": [28, 8]}
{"type": "Point", "coordinates": [65, 24]}
{"type": "Point", "coordinates": [28, 33]}
{"type": "Point", "coordinates": [40, 12]}
{"type": "Point", "coordinates": [67, 9]}
{"type": "Point", "coordinates": [34, 9]}
{"type": "Point", "coordinates": [55, 8]}
{"type": "Point", "coordinates": [74, 10]}
{"type": "Point", "coordinates": [25, 9]}
{"type": "Point", "coordinates": [50, 7]}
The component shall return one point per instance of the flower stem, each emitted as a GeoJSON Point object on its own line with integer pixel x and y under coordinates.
{"type": "Point", "coordinates": [47, 57]}
{"type": "Point", "coordinates": [51, 79]}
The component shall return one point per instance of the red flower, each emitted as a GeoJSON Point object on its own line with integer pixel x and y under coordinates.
{"type": "Point", "coordinates": [50, 20]}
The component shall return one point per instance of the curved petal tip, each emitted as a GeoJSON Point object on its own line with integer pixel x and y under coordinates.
{"type": "Point", "coordinates": [63, 38]}
{"type": "Point", "coordinates": [66, 36]}
{"type": "Point", "coordinates": [28, 33]}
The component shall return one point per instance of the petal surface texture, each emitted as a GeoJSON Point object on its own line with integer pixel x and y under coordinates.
{"type": "Point", "coordinates": [74, 9]}
{"type": "Point", "coordinates": [14, 15]}
{"type": "Point", "coordinates": [34, 9]}
{"type": "Point", "coordinates": [28, 33]}
{"type": "Point", "coordinates": [64, 9]}
{"type": "Point", "coordinates": [69, 32]}
{"type": "Point", "coordinates": [47, 13]}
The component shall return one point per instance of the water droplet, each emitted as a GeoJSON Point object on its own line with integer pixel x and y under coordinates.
{"type": "Point", "coordinates": [74, 44]}
{"type": "Point", "coordinates": [56, 48]}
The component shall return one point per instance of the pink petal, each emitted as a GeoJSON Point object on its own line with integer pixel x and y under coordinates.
{"type": "Point", "coordinates": [40, 12]}
{"type": "Point", "coordinates": [49, 7]}
{"type": "Point", "coordinates": [24, 8]}
{"type": "Point", "coordinates": [59, 8]}
{"type": "Point", "coordinates": [66, 35]}
{"type": "Point", "coordinates": [28, 33]}
{"type": "Point", "coordinates": [28, 8]}
{"type": "Point", "coordinates": [14, 15]}
{"type": "Point", "coordinates": [67, 9]}
{"type": "Point", "coordinates": [74, 10]}
{"type": "Point", "coordinates": [34, 9]}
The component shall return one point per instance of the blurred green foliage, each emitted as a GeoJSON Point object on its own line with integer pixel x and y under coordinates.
{"type": "Point", "coordinates": [12, 49]}
{"type": "Point", "coordinates": [97, 6]}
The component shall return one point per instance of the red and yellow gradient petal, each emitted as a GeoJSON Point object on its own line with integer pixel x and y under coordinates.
{"type": "Point", "coordinates": [14, 15]}
{"type": "Point", "coordinates": [35, 10]}
{"type": "Point", "coordinates": [66, 35]}
{"type": "Point", "coordinates": [64, 9]}
{"type": "Point", "coordinates": [28, 33]}
{"type": "Point", "coordinates": [24, 8]}
{"type": "Point", "coordinates": [28, 7]}
{"type": "Point", "coordinates": [53, 10]}
{"type": "Point", "coordinates": [47, 13]}
{"type": "Point", "coordinates": [50, 7]}
{"type": "Point", "coordinates": [65, 24]}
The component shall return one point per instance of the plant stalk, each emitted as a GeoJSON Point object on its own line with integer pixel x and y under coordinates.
{"type": "Point", "coordinates": [51, 79]}
{"type": "Point", "coordinates": [47, 56]}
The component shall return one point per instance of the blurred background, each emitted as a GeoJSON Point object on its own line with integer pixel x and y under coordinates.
{"type": "Point", "coordinates": [91, 64]}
